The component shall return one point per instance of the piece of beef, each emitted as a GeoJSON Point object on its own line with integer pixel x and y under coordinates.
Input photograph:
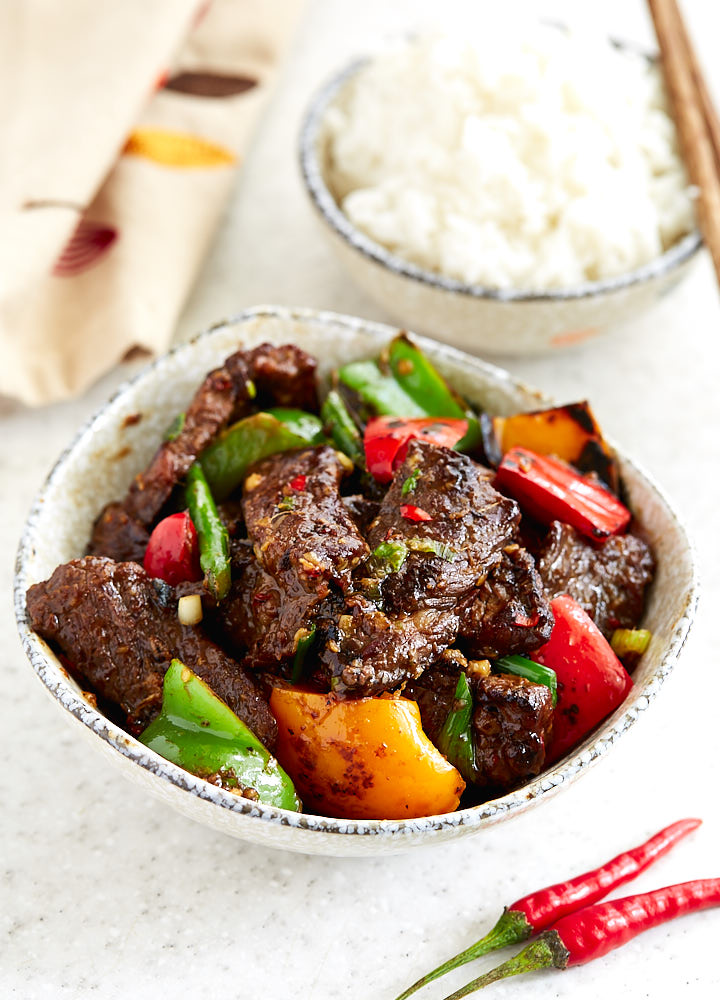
{"type": "Point", "coordinates": [509, 613]}
{"type": "Point", "coordinates": [252, 610]}
{"type": "Point", "coordinates": [512, 720]}
{"type": "Point", "coordinates": [303, 536]}
{"type": "Point", "coordinates": [367, 652]}
{"type": "Point", "coordinates": [304, 540]}
{"type": "Point", "coordinates": [361, 510]}
{"type": "Point", "coordinates": [119, 631]}
{"type": "Point", "coordinates": [413, 615]}
{"type": "Point", "coordinates": [512, 724]}
{"type": "Point", "coordinates": [608, 581]}
{"type": "Point", "coordinates": [222, 398]}
{"type": "Point", "coordinates": [470, 524]}
{"type": "Point", "coordinates": [283, 376]}
{"type": "Point", "coordinates": [118, 536]}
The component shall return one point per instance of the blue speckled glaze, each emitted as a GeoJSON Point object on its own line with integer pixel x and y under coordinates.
{"type": "Point", "coordinates": [333, 338]}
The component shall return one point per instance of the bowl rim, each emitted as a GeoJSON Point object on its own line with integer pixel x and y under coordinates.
{"type": "Point", "coordinates": [59, 686]}
{"type": "Point", "coordinates": [329, 210]}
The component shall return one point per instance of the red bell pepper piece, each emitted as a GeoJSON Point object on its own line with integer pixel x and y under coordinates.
{"type": "Point", "coordinates": [551, 490]}
{"type": "Point", "coordinates": [387, 438]}
{"type": "Point", "coordinates": [173, 552]}
{"type": "Point", "coordinates": [591, 681]}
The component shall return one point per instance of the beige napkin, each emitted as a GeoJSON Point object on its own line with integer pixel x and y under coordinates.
{"type": "Point", "coordinates": [123, 125]}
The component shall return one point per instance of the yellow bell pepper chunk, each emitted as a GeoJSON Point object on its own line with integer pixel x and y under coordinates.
{"type": "Point", "coordinates": [364, 758]}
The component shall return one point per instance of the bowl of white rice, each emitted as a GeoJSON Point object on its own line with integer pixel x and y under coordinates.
{"type": "Point", "coordinates": [512, 193]}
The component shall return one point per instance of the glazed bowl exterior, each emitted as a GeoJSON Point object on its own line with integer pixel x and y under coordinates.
{"type": "Point", "coordinates": [477, 319]}
{"type": "Point", "coordinates": [100, 463]}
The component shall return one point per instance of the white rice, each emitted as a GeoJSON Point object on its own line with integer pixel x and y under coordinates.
{"type": "Point", "coordinates": [533, 162]}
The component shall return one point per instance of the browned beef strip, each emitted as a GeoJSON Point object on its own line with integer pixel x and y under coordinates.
{"type": "Point", "coordinates": [608, 581]}
{"type": "Point", "coordinates": [118, 536]}
{"type": "Point", "coordinates": [468, 516]}
{"type": "Point", "coordinates": [113, 624]}
{"type": "Point", "coordinates": [222, 398]}
{"type": "Point", "coordinates": [434, 692]}
{"type": "Point", "coordinates": [367, 652]}
{"type": "Point", "coordinates": [377, 646]}
{"type": "Point", "coordinates": [304, 540]}
{"type": "Point", "coordinates": [512, 724]}
{"type": "Point", "coordinates": [509, 613]}
{"type": "Point", "coordinates": [303, 537]}
{"type": "Point", "coordinates": [361, 510]}
{"type": "Point", "coordinates": [284, 376]}
{"type": "Point", "coordinates": [512, 721]}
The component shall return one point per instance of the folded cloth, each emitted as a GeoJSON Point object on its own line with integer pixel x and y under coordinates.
{"type": "Point", "coordinates": [123, 127]}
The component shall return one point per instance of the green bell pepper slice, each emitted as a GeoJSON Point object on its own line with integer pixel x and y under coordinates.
{"type": "Point", "coordinates": [305, 425]}
{"type": "Point", "coordinates": [227, 460]}
{"type": "Point", "coordinates": [404, 383]}
{"type": "Point", "coordinates": [200, 733]}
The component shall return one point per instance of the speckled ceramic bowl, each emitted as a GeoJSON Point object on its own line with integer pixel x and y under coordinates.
{"type": "Point", "coordinates": [510, 322]}
{"type": "Point", "coordinates": [98, 466]}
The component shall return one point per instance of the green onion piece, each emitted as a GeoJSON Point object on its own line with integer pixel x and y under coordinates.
{"type": "Point", "coordinates": [411, 482]}
{"type": "Point", "coordinates": [531, 671]}
{"type": "Point", "coordinates": [304, 645]}
{"type": "Point", "coordinates": [388, 557]}
{"type": "Point", "coordinates": [438, 548]}
{"type": "Point", "coordinates": [212, 533]}
{"type": "Point", "coordinates": [342, 428]}
{"type": "Point", "coordinates": [306, 425]}
{"type": "Point", "coordinates": [633, 641]}
{"type": "Point", "coordinates": [175, 428]}
{"type": "Point", "coordinates": [455, 739]}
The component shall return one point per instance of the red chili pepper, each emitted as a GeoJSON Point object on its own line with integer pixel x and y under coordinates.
{"type": "Point", "coordinates": [551, 490]}
{"type": "Point", "coordinates": [540, 910]}
{"type": "Point", "coordinates": [298, 483]}
{"type": "Point", "coordinates": [173, 552]}
{"type": "Point", "coordinates": [387, 438]}
{"type": "Point", "coordinates": [543, 908]}
{"type": "Point", "coordinates": [596, 930]}
{"type": "Point", "coordinates": [413, 513]}
{"type": "Point", "coordinates": [592, 681]}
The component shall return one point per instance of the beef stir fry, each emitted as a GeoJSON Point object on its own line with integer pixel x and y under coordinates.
{"type": "Point", "coordinates": [376, 606]}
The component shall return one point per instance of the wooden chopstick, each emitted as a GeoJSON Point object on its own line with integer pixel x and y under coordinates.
{"type": "Point", "coordinates": [711, 117]}
{"type": "Point", "coordinates": [695, 118]}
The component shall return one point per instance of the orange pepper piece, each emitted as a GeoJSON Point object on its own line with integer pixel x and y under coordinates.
{"type": "Point", "coordinates": [363, 758]}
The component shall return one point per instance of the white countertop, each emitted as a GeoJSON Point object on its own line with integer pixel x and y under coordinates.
{"type": "Point", "coordinates": [108, 893]}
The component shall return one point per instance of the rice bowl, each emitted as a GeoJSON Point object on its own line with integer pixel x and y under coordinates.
{"type": "Point", "coordinates": [506, 313]}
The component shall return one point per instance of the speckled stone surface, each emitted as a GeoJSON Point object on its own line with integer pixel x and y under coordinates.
{"type": "Point", "coordinates": [108, 893]}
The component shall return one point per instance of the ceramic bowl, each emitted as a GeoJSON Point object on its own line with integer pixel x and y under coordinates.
{"type": "Point", "coordinates": [110, 449]}
{"type": "Point", "coordinates": [477, 319]}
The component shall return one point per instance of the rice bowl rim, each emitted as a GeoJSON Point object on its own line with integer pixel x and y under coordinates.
{"type": "Point", "coordinates": [310, 134]}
